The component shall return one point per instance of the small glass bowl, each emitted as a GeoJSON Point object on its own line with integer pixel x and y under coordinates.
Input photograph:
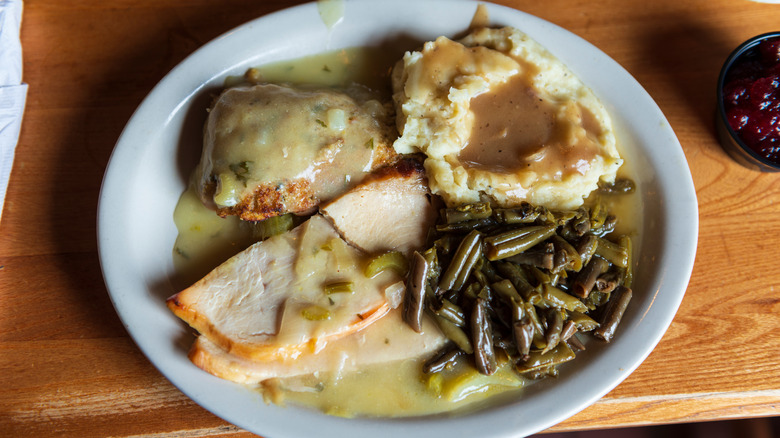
{"type": "Point", "coordinates": [729, 139]}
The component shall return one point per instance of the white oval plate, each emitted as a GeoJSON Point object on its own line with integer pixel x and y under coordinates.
{"type": "Point", "coordinates": [160, 145]}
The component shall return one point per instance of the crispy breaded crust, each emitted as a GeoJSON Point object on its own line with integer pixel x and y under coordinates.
{"type": "Point", "coordinates": [269, 200]}
{"type": "Point", "coordinates": [297, 196]}
{"type": "Point", "coordinates": [270, 149]}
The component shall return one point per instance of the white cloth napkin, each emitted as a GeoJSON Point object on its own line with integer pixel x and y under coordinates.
{"type": "Point", "coordinates": [12, 91]}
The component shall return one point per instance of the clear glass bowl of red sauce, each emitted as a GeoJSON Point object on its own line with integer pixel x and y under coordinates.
{"type": "Point", "coordinates": [748, 119]}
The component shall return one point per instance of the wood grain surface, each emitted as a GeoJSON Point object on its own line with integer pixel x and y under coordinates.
{"type": "Point", "coordinates": [68, 367]}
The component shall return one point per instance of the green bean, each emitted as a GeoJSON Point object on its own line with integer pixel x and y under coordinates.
{"type": "Point", "coordinates": [489, 270]}
{"type": "Point", "coordinates": [583, 322]}
{"type": "Point", "coordinates": [612, 252]}
{"type": "Point", "coordinates": [462, 227]}
{"type": "Point", "coordinates": [468, 212]}
{"type": "Point", "coordinates": [598, 213]}
{"type": "Point", "coordinates": [540, 276]}
{"type": "Point", "coordinates": [568, 330]}
{"type": "Point", "coordinates": [482, 339]}
{"type": "Point", "coordinates": [587, 247]}
{"type": "Point", "coordinates": [486, 293]}
{"type": "Point", "coordinates": [451, 312]}
{"type": "Point", "coordinates": [392, 260]}
{"type": "Point", "coordinates": [446, 244]}
{"type": "Point", "coordinates": [431, 256]}
{"type": "Point", "coordinates": [545, 216]}
{"type": "Point", "coordinates": [516, 275]}
{"type": "Point", "coordinates": [626, 244]}
{"type": "Point", "coordinates": [512, 234]}
{"type": "Point", "coordinates": [556, 278]}
{"type": "Point", "coordinates": [575, 343]}
{"type": "Point", "coordinates": [414, 298]}
{"type": "Point", "coordinates": [525, 214]}
{"type": "Point", "coordinates": [543, 260]}
{"type": "Point", "coordinates": [507, 291]}
{"type": "Point", "coordinates": [460, 259]}
{"type": "Point", "coordinates": [586, 279]}
{"type": "Point", "coordinates": [517, 309]}
{"type": "Point", "coordinates": [560, 262]}
{"type": "Point", "coordinates": [430, 295]}
{"type": "Point", "coordinates": [538, 360]}
{"type": "Point", "coordinates": [554, 327]}
{"type": "Point", "coordinates": [468, 268]}
{"type": "Point", "coordinates": [616, 306]}
{"type": "Point", "coordinates": [581, 223]}
{"type": "Point", "coordinates": [477, 272]}
{"type": "Point", "coordinates": [596, 299]}
{"type": "Point", "coordinates": [472, 290]}
{"type": "Point", "coordinates": [560, 299]}
{"type": "Point", "coordinates": [522, 329]}
{"type": "Point", "coordinates": [505, 344]}
{"type": "Point", "coordinates": [454, 334]}
{"type": "Point", "coordinates": [444, 359]}
{"type": "Point", "coordinates": [538, 338]}
{"type": "Point", "coordinates": [575, 261]}
{"type": "Point", "coordinates": [508, 248]}
{"type": "Point", "coordinates": [523, 332]}
{"type": "Point", "coordinates": [535, 297]}
{"type": "Point", "coordinates": [609, 226]}
{"type": "Point", "coordinates": [563, 217]}
{"type": "Point", "coordinates": [608, 281]}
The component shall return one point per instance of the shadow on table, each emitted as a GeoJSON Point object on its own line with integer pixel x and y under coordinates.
{"type": "Point", "coordinates": [688, 54]}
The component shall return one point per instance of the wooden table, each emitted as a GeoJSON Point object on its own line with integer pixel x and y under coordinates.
{"type": "Point", "coordinates": [67, 366]}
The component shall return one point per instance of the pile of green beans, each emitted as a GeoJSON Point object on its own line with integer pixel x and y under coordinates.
{"type": "Point", "coordinates": [520, 284]}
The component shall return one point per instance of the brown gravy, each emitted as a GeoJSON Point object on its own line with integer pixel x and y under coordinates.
{"type": "Point", "coordinates": [516, 128]}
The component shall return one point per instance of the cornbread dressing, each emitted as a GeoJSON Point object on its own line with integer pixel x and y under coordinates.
{"type": "Point", "coordinates": [328, 140]}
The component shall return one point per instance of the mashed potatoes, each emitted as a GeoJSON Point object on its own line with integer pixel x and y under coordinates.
{"type": "Point", "coordinates": [500, 117]}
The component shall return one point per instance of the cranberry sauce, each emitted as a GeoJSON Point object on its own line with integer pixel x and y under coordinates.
{"type": "Point", "coordinates": [751, 98]}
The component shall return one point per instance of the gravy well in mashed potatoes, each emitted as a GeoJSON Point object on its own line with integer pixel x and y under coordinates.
{"type": "Point", "coordinates": [499, 116]}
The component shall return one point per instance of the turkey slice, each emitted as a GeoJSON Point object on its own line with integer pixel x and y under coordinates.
{"type": "Point", "coordinates": [387, 340]}
{"type": "Point", "coordinates": [270, 301]}
{"type": "Point", "coordinates": [391, 210]}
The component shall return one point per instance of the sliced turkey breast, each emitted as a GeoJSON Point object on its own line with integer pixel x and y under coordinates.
{"type": "Point", "coordinates": [391, 210]}
{"type": "Point", "coordinates": [387, 340]}
{"type": "Point", "coordinates": [272, 300]}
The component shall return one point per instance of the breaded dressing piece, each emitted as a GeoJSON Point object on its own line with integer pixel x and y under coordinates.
{"type": "Point", "coordinates": [271, 149]}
